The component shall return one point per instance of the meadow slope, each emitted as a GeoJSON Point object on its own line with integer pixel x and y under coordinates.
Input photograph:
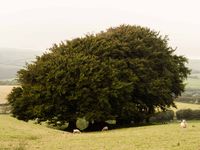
{"type": "Point", "coordinates": [19, 135]}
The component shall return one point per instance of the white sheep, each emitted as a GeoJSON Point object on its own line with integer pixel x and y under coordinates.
{"type": "Point", "coordinates": [105, 128]}
{"type": "Point", "coordinates": [76, 131]}
{"type": "Point", "coordinates": [183, 124]}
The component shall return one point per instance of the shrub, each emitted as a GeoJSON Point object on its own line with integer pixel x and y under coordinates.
{"type": "Point", "coordinates": [188, 114]}
{"type": "Point", "coordinates": [162, 116]}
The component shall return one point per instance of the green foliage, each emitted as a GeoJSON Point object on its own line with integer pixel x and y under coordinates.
{"type": "Point", "coordinates": [21, 107]}
{"type": "Point", "coordinates": [82, 123]}
{"type": "Point", "coordinates": [188, 114]}
{"type": "Point", "coordinates": [122, 74]}
{"type": "Point", "coordinates": [162, 116]}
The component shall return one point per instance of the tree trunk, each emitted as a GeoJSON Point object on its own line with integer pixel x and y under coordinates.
{"type": "Point", "coordinates": [96, 126]}
{"type": "Point", "coordinates": [71, 126]}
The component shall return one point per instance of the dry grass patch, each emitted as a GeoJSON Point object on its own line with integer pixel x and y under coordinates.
{"type": "Point", "coordinates": [186, 106]}
{"type": "Point", "coordinates": [4, 91]}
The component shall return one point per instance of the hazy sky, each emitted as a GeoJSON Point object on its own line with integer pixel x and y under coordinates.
{"type": "Point", "coordinates": [37, 24]}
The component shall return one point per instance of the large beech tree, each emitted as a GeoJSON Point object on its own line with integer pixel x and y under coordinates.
{"type": "Point", "coordinates": [122, 74]}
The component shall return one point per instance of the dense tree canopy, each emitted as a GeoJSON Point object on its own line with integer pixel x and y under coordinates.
{"type": "Point", "coordinates": [122, 74]}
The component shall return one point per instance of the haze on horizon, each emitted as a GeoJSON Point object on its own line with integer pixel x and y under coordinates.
{"type": "Point", "coordinates": [37, 24]}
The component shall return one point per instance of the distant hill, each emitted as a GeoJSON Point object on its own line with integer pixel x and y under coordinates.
{"type": "Point", "coordinates": [194, 64]}
{"type": "Point", "coordinates": [11, 60]}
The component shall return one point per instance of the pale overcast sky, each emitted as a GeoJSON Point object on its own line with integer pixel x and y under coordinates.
{"type": "Point", "coordinates": [37, 24]}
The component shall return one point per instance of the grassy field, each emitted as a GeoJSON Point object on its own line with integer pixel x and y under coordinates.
{"type": "Point", "coordinates": [186, 106]}
{"type": "Point", "coordinates": [18, 135]}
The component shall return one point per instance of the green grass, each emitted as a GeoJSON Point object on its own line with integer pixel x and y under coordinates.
{"type": "Point", "coordinates": [19, 135]}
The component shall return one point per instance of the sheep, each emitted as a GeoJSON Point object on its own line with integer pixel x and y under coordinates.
{"type": "Point", "coordinates": [76, 131]}
{"type": "Point", "coordinates": [183, 124]}
{"type": "Point", "coordinates": [105, 128]}
{"type": "Point", "coordinates": [37, 121]}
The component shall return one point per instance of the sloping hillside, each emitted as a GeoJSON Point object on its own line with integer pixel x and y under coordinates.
{"type": "Point", "coordinates": [11, 60]}
{"type": "Point", "coordinates": [18, 135]}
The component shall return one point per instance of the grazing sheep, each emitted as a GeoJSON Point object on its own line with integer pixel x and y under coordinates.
{"type": "Point", "coordinates": [37, 121]}
{"type": "Point", "coordinates": [76, 131]}
{"type": "Point", "coordinates": [183, 124]}
{"type": "Point", "coordinates": [105, 128]}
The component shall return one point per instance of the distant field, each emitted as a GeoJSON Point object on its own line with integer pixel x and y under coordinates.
{"type": "Point", "coordinates": [193, 83]}
{"type": "Point", "coordinates": [186, 106]}
{"type": "Point", "coordinates": [4, 91]}
{"type": "Point", "coordinates": [18, 135]}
